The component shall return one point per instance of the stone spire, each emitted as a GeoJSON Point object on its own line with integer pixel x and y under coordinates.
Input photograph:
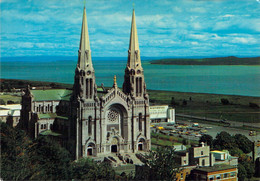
{"type": "Point", "coordinates": [134, 77]}
{"type": "Point", "coordinates": [84, 57]}
{"type": "Point", "coordinates": [133, 52]}
{"type": "Point", "coordinates": [84, 83]}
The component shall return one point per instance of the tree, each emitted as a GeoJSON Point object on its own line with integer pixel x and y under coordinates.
{"type": "Point", "coordinates": [241, 172]}
{"type": "Point", "coordinates": [207, 139]}
{"type": "Point", "coordinates": [243, 143]}
{"type": "Point", "coordinates": [50, 160]}
{"type": "Point", "coordinates": [87, 169]}
{"type": "Point", "coordinates": [2, 102]}
{"type": "Point", "coordinates": [15, 163]}
{"type": "Point", "coordinates": [160, 165]}
{"type": "Point", "coordinates": [224, 141]}
{"type": "Point", "coordinates": [224, 101]}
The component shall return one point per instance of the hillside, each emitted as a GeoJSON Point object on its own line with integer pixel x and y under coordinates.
{"type": "Point", "coordinates": [231, 60]}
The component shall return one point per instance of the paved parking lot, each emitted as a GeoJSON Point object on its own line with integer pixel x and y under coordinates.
{"type": "Point", "coordinates": [212, 130]}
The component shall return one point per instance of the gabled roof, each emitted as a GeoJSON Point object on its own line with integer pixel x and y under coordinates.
{"type": "Point", "coordinates": [51, 94]}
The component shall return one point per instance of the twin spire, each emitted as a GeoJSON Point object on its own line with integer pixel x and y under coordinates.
{"type": "Point", "coordinates": [134, 59]}
{"type": "Point", "coordinates": [85, 60]}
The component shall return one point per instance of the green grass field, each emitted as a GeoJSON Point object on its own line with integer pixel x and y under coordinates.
{"type": "Point", "coordinates": [209, 105]}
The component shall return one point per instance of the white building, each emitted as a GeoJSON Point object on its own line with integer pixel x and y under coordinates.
{"type": "Point", "coordinates": [162, 113]}
{"type": "Point", "coordinates": [10, 114]}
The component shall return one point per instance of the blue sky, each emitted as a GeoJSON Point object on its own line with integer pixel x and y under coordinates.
{"type": "Point", "coordinates": [166, 28]}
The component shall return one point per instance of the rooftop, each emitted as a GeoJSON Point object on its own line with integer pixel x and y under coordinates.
{"type": "Point", "coordinates": [49, 133]}
{"type": "Point", "coordinates": [51, 94]}
{"type": "Point", "coordinates": [47, 116]}
{"type": "Point", "coordinates": [215, 168]}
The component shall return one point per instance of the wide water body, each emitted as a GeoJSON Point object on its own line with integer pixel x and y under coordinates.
{"type": "Point", "coordinates": [236, 80]}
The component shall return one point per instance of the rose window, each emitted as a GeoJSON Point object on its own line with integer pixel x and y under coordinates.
{"type": "Point", "coordinates": [113, 115]}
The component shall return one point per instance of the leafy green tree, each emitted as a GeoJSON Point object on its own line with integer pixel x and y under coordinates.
{"type": "Point", "coordinates": [160, 165]}
{"type": "Point", "coordinates": [243, 143]}
{"type": "Point", "coordinates": [207, 139]}
{"type": "Point", "coordinates": [241, 172]}
{"type": "Point", "coordinates": [15, 164]}
{"type": "Point", "coordinates": [87, 169]}
{"type": "Point", "coordinates": [224, 141]}
{"type": "Point", "coordinates": [236, 152]}
{"type": "Point", "coordinates": [50, 160]}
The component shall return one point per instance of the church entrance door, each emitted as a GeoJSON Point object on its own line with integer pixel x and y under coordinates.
{"type": "Point", "coordinates": [90, 152]}
{"type": "Point", "coordinates": [140, 146]}
{"type": "Point", "coordinates": [114, 148]}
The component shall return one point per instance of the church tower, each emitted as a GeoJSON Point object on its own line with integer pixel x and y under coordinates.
{"type": "Point", "coordinates": [134, 75]}
{"type": "Point", "coordinates": [135, 87]}
{"type": "Point", "coordinates": [84, 101]}
{"type": "Point", "coordinates": [84, 85]}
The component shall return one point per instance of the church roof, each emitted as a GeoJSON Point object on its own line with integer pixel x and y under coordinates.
{"type": "Point", "coordinates": [51, 94]}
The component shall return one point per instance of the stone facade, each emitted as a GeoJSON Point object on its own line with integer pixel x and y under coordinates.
{"type": "Point", "coordinates": [94, 122]}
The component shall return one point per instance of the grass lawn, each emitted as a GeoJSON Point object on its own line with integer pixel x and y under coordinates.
{"type": "Point", "coordinates": [209, 105]}
{"type": "Point", "coordinates": [15, 99]}
{"type": "Point", "coordinates": [158, 139]}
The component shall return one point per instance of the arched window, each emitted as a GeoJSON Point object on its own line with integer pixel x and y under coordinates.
{"type": "Point", "coordinates": [89, 125]}
{"type": "Point", "coordinates": [140, 121]}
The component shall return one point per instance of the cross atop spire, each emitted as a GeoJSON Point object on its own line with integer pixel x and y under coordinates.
{"type": "Point", "coordinates": [84, 59]}
{"type": "Point", "coordinates": [133, 52]}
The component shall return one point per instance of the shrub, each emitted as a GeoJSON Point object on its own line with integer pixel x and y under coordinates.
{"type": "Point", "coordinates": [253, 105]}
{"type": "Point", "coordinates": [224, 101]}
{"type": "Point", "coordinates": [10, 102]}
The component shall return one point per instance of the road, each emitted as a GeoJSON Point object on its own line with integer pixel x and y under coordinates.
{"type": "Point", "coordinates": [232, 123]}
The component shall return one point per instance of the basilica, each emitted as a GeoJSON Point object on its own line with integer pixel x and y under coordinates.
{"type": "Point", "coordinates": [89, 120]}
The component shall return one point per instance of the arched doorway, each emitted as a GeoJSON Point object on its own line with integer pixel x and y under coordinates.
{"type": "Point", "coordinates": [141, 144]}
{"type": "Point", "coordinates": [90, 149]}
{"type": "Point", "coordinates": [114, 145]}
{"type": "Point", "coordinates": [114, 148]}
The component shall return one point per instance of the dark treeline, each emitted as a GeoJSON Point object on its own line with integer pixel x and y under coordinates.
{"type": "Point", "coordinates": [231, 60]}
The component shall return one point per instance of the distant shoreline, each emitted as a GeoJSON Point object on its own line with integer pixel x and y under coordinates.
{"type": "Point", "coordinates": [231, 60]}
{"type": "Point", "coordinates": [22, 84]}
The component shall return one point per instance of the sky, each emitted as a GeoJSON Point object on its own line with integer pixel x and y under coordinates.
{"type": "Point", "coordinates": [166, 28]}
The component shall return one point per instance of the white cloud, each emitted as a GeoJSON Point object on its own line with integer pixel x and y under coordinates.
{"type": "Point", "coordinates": [228, 15]}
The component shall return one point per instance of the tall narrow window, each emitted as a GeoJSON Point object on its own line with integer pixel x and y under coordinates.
{"type": "Point", "coordinates": [140, 86]}
{"type": "Point", "coordinates": [136, 83]}
{"type": "Point", "coordinates": [89, 125]}
{"type": "Point", "coordinates": [87, 87]}
{"type": "Point", "coordinates": [91, 87]}
{"type": "Point", "coordinates": [140, 121]}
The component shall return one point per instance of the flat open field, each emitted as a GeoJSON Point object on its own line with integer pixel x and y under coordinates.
{"type": "Point", "coordinates": [195, 104]}
{"type": "Point", "coordinates": [209, 105]}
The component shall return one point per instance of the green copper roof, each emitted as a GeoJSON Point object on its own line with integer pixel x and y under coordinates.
{"type": "Point", "coordinates": [51, 94]}
{"type": "Point", "coordinates": [62, 117]}
{"type": "Point", "coordinates": [49, 133]}
{"type": "Point", "coordinates": [47, 116]}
